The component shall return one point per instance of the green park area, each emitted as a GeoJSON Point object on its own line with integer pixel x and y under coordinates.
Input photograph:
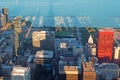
{"type": "Point", "coordinates": [65, 32]}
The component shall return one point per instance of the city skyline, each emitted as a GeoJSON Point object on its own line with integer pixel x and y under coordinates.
{"type": "Point", "coordinates": [59, 40]}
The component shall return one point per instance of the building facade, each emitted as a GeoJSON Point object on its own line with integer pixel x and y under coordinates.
{"type": "Point", "coordinates": [44, 62]}
{"type": "Point", "coordinates": [68, 73]}
{"type": "Point", "coordinates": [21, 73]}
{"type": "Point", "coordinates": [5, 12]}
{"type": "Point", "coordinates": [105, 45]}
{"type": "Point", "coordinates": [2, 20]}
{"type": "Point", "coordinates": [43, 40]}
{"type": "Point", "coordinates": [107, 71]}
{"type": "Point", "coordinates": [117, 54]}
{"type": "Point", "coordinates": [88, 71]}
{"type": "Point", "coordinates": [43, 57]}
{"type": "Point", "coordinates": [90, 47]}
{"type": "Point", "coordinates": [77, 50]}
{"type": "Point", "coordinates": [17, 31]}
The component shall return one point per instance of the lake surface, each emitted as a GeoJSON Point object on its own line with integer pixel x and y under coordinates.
{"type": "Point", "coordinates": [104, 13]}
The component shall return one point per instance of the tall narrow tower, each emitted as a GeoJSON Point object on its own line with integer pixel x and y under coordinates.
{"type": "Point", "coordinates": [51, 14]}
{"type": "Point", "coordinates": [105, 45]}
{"type": "Point", "coordinates": [5, 12]}
{"type": "Point", "coordinates": [50, 10]}
{"type": "Point", "coordinates": [2, 20]}
{"type": "Point", "coordinates": [17, 31]}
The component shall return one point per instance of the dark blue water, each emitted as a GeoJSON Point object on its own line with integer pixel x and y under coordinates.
{"type": "Point", "coordinates": [100, 12]}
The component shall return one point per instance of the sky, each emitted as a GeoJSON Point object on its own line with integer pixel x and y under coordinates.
{"type": "Point", "coordinates": [100, 11]}
{"type": "Point", "coordinates": [68, 7]}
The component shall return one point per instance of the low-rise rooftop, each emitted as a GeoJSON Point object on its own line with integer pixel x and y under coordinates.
{"type": "Point", "coordinates": [88, 66]}
{"type": "Point", "coordinates": [44, 54]}
{"type": "Point", "coordinates": [18, 70]}
{"type": "Point", "coordinates": [68, 70]}
{"type": "Point", "coordinates": [107, 66]}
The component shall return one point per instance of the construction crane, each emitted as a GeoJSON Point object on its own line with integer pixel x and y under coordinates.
{"type": "Point", "coordinates": [17, 31]}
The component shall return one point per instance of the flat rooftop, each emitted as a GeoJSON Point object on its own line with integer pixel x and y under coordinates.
{"type": "Point", "coordinates": [18, 70]}
{"type": "Point", "coordinates": [106, 29]}
{"type": "Point", "coordinates": [42, 32]}
{"type": "Point", "coordinates": [88, 66]}
{"type": "Point", "coordinates": [107, 66]}
{"type": "Point", "coordinates": [68, 70]}
{"type": "Point", "coordinates": [44, 54]}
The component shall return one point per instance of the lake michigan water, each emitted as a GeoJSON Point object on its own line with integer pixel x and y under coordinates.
{"type": "Point", "coordinates": [104, 13]}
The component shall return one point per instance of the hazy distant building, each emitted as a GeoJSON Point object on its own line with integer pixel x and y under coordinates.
{"type": "Point", "coordinates": [88, 71]}
{"type": "Point", "coordinates": [43, 40]}
{"type": "Point", "coordinates": [105, 45]}
{"type": "Point", "coordinates": [21, 73]}
{"type": "Point", "coordinates": [2, 20]}
{"type": "Point", "coordinates": [68, 73]}
{"type": "Point", "coordinates": [5, 12]}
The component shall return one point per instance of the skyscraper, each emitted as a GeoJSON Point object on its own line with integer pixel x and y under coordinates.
{"type": "Point", "coordinates": [105, 45]}
{"type": "Point", "coordinates": [2, 20]}
{"type": "Point", "coordinates": [90, 40]}
{"type": "Point", "coordinates": [90, 47]}
{"type": "Point", "coordinates": [43, 40]}
{"type": "Point", "coordinates": [17, 31]}
{"type": "Point", "coordinates": [88, 71]}
{"type": "Point", "coordinates": [68, 73]}
{"type": "Point", "coordinates": [5, 12]}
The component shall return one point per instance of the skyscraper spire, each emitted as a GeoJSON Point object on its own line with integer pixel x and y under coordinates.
{"type": "Point", "coordinates": [50, 10]}
{"type": "Point", "coordinates": [90, 40]}
{"type": "Point", "coordinates": [51, 13]}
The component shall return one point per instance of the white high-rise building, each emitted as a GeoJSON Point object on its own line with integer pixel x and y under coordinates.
{"type": "Point", "coordinates": [90, 47]}
{"type": "Point", "coordinates": [90, 40]}
{"type": "Point", "coordinates": [21, 73]}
